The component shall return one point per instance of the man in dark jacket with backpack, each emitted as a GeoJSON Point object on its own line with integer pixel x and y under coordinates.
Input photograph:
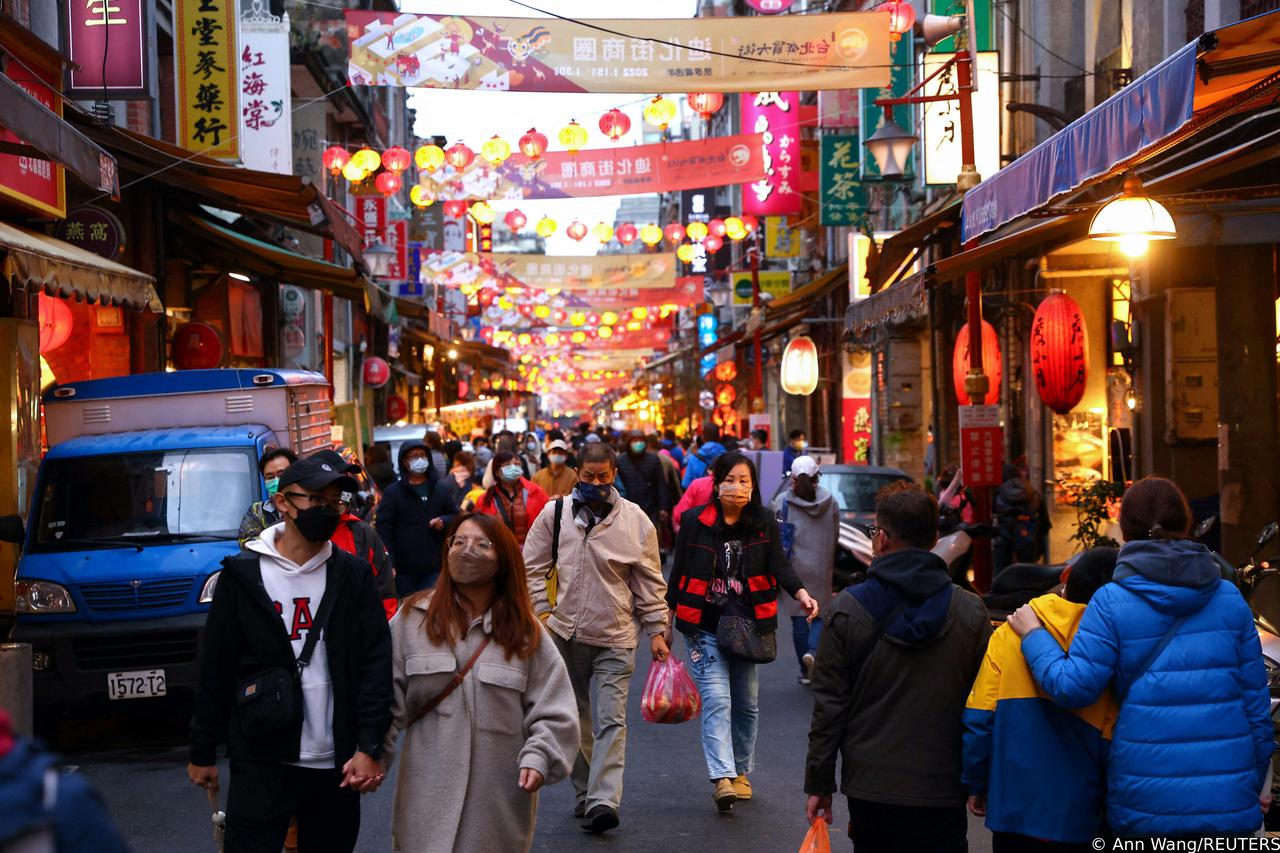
{"type": "Point", "coordinates": [896, 660]}
{"type": "Point", "coordinates": [295, 677]}
{"type": "Point", "coordinates": [411, 519]}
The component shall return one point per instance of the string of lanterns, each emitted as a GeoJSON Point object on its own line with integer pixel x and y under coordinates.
{"type": "Point", "coordinates": [710, 234]}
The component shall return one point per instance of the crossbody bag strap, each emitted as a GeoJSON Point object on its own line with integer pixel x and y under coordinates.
{"type": "Point", "coordinates": [1153, 656]}
{"type": "Point", "coordinates": [555, 538]}
{"type": "Point", "coordinates": [453, 684]}
{"type": "Point", "coordinates": [319, 623]}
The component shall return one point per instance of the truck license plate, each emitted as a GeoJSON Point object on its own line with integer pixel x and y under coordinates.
{"type": "Point", "coordinates": [140, 684]}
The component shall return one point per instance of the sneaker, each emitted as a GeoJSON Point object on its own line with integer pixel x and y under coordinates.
{"type": "Point", "coordinates": [725, 795]}
{"type": "Point", "coordinates": [580, 810]}
{"type": "Point", "coordinates": [807, 663]}
{"type": "Point", "coordinates": [805, 680]}
{"type": "Point", "coordinates": [742, 787]}
{"type": "Point", "coordinates": [600, 819]}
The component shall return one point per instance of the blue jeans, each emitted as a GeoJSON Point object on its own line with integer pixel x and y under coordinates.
{"type": "Point", "coordinates": [805, 634]}
{"type": "Point", "coordinates": [730, 708]}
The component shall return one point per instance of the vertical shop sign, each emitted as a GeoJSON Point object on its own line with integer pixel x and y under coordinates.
{"type": "Point", "coordinates": [107, 40]}
{"type": "Point", "coordinates": [942, 158]}
{"type": "Point", "coordinates": [396, 236]}
{"type": "Point", "coordinates": [856, 409]}
{"type": "Point", "coordinates": [842, 197]}
{"type": "Point", "coordinates": [981, 445]}
{"type": "Point", "coordinates": [776, 116]}
{"type": "Point", "coordinates": [708, 334]}
{"type": "Point", "coordinates": [371, 217]}
{"type": "Point", "coordinates": [266, 122]}
{"type": "Point", "coordinates": [207, 78]}
{"type": "Point", "coordinates": [780, 239]}
{"type": "Point", "coordinates": [903, 54]}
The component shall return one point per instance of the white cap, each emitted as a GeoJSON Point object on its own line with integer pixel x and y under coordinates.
{"type": "Point", "coordinates": [557, 445]}
{"type": "Point", "coordinates": [804, 465]}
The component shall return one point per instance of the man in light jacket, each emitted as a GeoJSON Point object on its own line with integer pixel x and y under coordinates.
{"type": "Point", "coordinates": [609, 591]}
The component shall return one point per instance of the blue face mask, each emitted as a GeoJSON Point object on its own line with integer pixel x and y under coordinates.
{"type": "Point", "coordinates": [511, 473]}
{"type": "Point", "coordinates": [273, 485]}
{"type": "Point", "coordinates": [593, 492]}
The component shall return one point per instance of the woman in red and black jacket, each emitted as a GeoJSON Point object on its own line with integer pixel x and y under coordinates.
{"type": "Point", "coordinates": [729, 562]}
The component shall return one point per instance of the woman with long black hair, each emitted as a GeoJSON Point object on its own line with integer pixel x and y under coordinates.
{"type": "Point", "coordinates": [723, 593]}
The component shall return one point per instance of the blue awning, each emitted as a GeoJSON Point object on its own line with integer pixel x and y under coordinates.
{"type": "Point", "coordinates": [1138, 118]}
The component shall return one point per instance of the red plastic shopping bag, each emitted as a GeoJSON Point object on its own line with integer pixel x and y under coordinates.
{"type": "Point", "coordinates": [670, 695]}
{"type": "Point", "coordinates": [817, 839]}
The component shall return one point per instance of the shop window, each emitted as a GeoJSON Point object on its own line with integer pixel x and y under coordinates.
{"type": "Point", "coordinates": [1121, 337]}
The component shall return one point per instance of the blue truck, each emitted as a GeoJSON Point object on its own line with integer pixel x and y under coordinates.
{"type": "Point", "coordinates": [136, 503]}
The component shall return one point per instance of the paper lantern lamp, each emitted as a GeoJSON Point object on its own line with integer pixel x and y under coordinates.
{"type": "Point", "coordinates": [800, 366]}
{"type": "Point", "coordinates": [396, 159]}
{"type": "Point", "coordinates": [615, 124]}
{"type": "Point", "coordinates": [696, 231]}
{"type": "Point", "coordinates": [533, 144]}
{"type": "Point", "coordinates": [660, 111]}
{"type": "Point", "coordinates": [674, 232]}
{"type": "Point", "coordinates": [573, 137]}
{"type": "Point", "coordinates": [388, 183]}
{"type": "Point", "coordinates": [459, 156]}
{"type": "Point", "coordinates": [651, 235]}
{"type": "Point", "coordinates": [56, 323]}
{"type": "Point", "coordinates": [546, 227]}
{"type": "Point", "coordinates": [712, 244]}
{"type": "Point", "coordinates": [484, 214]}
{"type": "Point", "coordinates": [354, 172]}
{"type": "Point", "coordinates": [1059, 352]}
{"type": "Point", "coordinates": [515, 219]}
{"type": "Point", "coordinates": [901, 17]}
{"type": "Point", "coordinates": [455, 208]}
{"type": "Point", "coordinates": [717, 228]}
{"type": "Point", "coordinates": [603, 232]}
{"type": "Point", "coordinates": [705, 104]}
{"type": "Point", "coordinates": [686, 252]}
{"type": "Point", "coordinates": [576, 230]}
{"type": "Point", "coordinates": [428, 158]}
{"type": "Point", "coordinates": [626, 233]}
{"type": "Point", "coordinates": [750, 223]}
{"type": "Point", "coordinates": [991, 363]}
{"type": "Point", "coordinates": [421, 196]}
{"type": "Point", "coordinates": [367, 159]}
{"type": "Point", "coordinates": [496, 150]}
{"type": "Point", "coordinates": [334, 158]}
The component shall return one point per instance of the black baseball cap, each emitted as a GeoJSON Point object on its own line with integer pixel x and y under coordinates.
{"type": "Point", "coordinates": [316, 474]}
{"type": "Point", "coordinates": [335, 459]}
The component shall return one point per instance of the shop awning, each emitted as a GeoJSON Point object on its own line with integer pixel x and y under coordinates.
{"type": "Point", "coordinates": [286, 199]}
{"type": "Point", "coordinates": [61, 269]}
{"type": "Point", "coordinates": [267, 259]}
{"type": "Point", "coordinates": [49, 135]}
{"type": "Point", "coordinates": [1222, 72]}
{"type": "Point", "coordinates": [906, 300]}
{"type": "Point", "coordinates": [898, 248]}
{"type": "Point", "coordinates": [815, 289]}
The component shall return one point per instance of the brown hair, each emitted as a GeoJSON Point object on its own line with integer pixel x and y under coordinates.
{"type": "Point", "coordinates": [515, 628]}
{"type": "Point", "coordinates": [908, 514]}
{"type": "Point", "coordinates": [464, 459]}
{"type": "Point", "coordinates": [1154, 508]}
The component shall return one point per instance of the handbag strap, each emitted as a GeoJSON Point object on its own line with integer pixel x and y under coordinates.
{"type": "Point", "coordinates": [555, 538]}
{"type": "Point", "coordinates": [1153, 657]}
{"type": "Point", "coordinates": [453, 684]}
{"type": "Point", "coordinates": [318, 624]}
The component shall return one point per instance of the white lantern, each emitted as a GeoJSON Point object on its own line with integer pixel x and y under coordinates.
{"type": "Point", "coordinates": [800, 366]}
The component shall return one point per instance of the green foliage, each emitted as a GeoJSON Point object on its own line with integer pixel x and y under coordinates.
{"type": "Point", "coordinates": [1092, 500]}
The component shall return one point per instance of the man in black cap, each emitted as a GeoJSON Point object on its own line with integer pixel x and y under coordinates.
{"type": "Point", "coordinates": [358, 537]}
{"type": "Point", "coordinates": [295, 676]}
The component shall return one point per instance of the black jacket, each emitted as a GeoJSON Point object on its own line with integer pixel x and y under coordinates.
{"type": "Point", "coordinates": [244, 636]}
{"type": "Point", "coordinates": [891, 708]}
{"type": "Point", "coordinates": [698, 546]}
{"type": "Point", "coordinates": [644, 483]}
{"type": "Point", "coordinates": [403, 520]}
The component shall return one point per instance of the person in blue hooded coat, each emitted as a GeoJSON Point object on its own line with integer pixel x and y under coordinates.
{"type": "Point", "coordinates": [699, 464]}
{"type": "Point", "coordinates": [1177, 644]}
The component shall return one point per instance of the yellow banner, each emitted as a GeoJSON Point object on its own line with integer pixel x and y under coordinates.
{"type": "Point", "coordinates": [848, 50]}
{"type": "Point", "coordinates": [207, 79]}
{"type": "Point", "coordinates": [780, 239]}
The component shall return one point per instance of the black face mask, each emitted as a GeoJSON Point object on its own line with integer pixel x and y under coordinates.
{"type": "Point", "coordinates": [318, 523]}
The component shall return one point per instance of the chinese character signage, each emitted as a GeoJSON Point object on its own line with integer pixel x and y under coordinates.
{"type": "Point", "coordinates": [33, 181]}
{"type": "Point", "coordinates": [499, 269]}
{"type": "Point", "coordinates": [847, 50]}
{"type": "Point", "coordinates": [981, 445]}
{"type": "Point", "coordinates": [776, 117]}
{"type": "Point", "coordinates": [266, 123]}
{"type": "Point", "coordinates": [107, 39]}
{"type": "Point", "coordinates": [630, 170]}
{"type": "Point", "coordinates": [773, 282]}
{"type": "Point", "coordinates": [780, 239]}
{"type": "Point", "coordinates": [94, 229]}
{"type": "Point", "coordinates": [873, 116]}
{"type": "Point", "coordinates": [396, 236]}
{"type": "Point", "coordinates": [207, 77]}
{"type": "Point", "coordinates": [941, 145]}
{"type": "Point", "coordinates": [856, 409]}
{"type": "Point", "coordinates": [843, 199]}
{"type": "Point", "coordinates": [371, 217]}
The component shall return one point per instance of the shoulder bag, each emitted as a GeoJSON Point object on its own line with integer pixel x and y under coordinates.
{"type": "Point", "coordinates": [738, 634]}
{"type": "Point", "coordinates": [453, 684]}
{"type": "Point", "coordinates": [553, 573]}
{"type": "Point", "coordinates": [786, 530]}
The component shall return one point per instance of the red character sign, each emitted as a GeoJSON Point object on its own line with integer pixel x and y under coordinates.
{"type": "Point", "coordinates": [981, 445]}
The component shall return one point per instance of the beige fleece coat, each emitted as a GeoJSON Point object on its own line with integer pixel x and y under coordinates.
{"type": "Point", "coordinates": [457, 785]}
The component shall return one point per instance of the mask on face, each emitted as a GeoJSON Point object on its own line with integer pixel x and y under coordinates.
{"type": "Point", "coordinates": [637, 447]}
{"type": "Point", "coordinates": [799, 445]}
{"type": "Point", "coordinates": [419, 465]}
{"type": "Point", "coordinates": [735, 494]}
{"type": "Point", "coordinates": [317, 523]}
{"type": "Point", "coordinates": [532, 447]}
{"type": "Point", "coordinates": [467, 567]}
{"type": "Point", "coordinates": [556, 458]}
{"type": "Point", "coordinates": [593, 493]}
{"type": "Point", "coordinates": [273, 486]}
{"type": "Point", "coordinates": [511, 473]}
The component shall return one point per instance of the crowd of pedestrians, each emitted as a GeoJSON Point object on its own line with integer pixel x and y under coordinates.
{"type": "Point", "coordinates": [497, 655]}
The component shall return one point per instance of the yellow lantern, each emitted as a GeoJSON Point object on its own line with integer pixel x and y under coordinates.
{"type": "Point", "coordinates": [421, 196]}
{"type": "Point", "coordinates": [639, 313]}
{"type": "Point", "coordinates": [368, 159]}
{"type": "Point", "coordinates": [577, 319]}
{"type": "Point", "coordinates": [428, 158]}
{"type": "Point", "coordinates": [481, 212]}
{"type": "Point", "coordinates": [573, 136]}
{"type": "Point", "coordinates": [605, 332]}
{"type": "Point", "coordinates": [577, 338]}
{"type": "Point", "coordinates": [660, 111]}
{"type": "Point", "coordinates": [505, 303]}
{"type": "Point", "coordinates": [608, 318]}
{"type": "Point", "coordinates": [696, 231]}
{"type": "Point", "coordinates": [524, 339]}
{"type": "Point", "coordinates": [800, 366]}
{"type": "Point", "coordinates": [651, 235]}
{"type": "Point", "coordinates": [542, 312]}
{"type": "Point", "coordinates": [354, 172]}
{"type": "Point", "coordinates": [496, 150]}
{"type": "Point", "coordinates": [603, 230]}
{"type": "Point", "coordinates": [686, 253]}
{"type": "Point", "coordinates": [552, 339]}
{"type": "Point", "coordinates": [546, 227]}
{"type": "Point", "coordinates": [733, 223]}
{"type": "Point", "coordinates": [634, 326]}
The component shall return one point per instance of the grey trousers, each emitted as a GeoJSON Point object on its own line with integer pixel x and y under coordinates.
{"type": "Point", "coordinates": [601, 679]}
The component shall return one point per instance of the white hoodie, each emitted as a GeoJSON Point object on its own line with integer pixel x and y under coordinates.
{"type": "Point", "coordinates": [296, 590]}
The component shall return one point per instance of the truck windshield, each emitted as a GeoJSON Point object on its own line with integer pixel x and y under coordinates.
{"type": "Point", "coordinates": [140, 498]}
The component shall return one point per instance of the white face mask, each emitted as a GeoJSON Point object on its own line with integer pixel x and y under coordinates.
{"type": "Point", "coordinates": [556, 458]}
{"type": "Point", "coordinates": [419, 465]}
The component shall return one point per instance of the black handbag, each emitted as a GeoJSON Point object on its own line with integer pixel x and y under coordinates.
{"type": "Point", "coordinates": [271, 701]}
{"type": "Point", "coordinates": [739, 636]}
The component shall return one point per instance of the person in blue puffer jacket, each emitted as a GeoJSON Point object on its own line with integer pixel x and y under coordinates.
{"type": "Point", "coordinates": [1177, 644]}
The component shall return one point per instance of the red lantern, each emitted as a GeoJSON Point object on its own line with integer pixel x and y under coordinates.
{"type": "Point", "coordinates": [674, 232]}
{"type": "Point", "coordinates": [615, 124]}
{"type": "Point", "coordinates": [334, 158]}
{"type": "Point", "coordinates": [196, 346]}
{"type": "Point", "coordinates": [388, 183]}
{"type": "Point", "coordinates": [901, 17]}
{"type": "Point", "coordinates": [717, 227]}
{"type": "Point", "coordinates": [750, 223]}
{"type": "Point", "coordinates": [376, 372]}
{"type": "Point", "coordinates": [56, 323]}
{"type": "Point", "coordinates": [1059, 352]}
{"type": "Point", "coordinates": [991, 363]}
{"type": "Point", "coordinates": [396, 159]}
{"type": "Point", "coordinates": [485, 298]}
{"type": "Point", "coordinates": [456, 208]}
{"type": "Point", "coordinates": [533, 144]}
{"type": "Point", "coordinates": [705, 104]}
{"type": "Point", "coordinates": [515, 219]}
{"type": "Point", "coordinates": [626, 233]}
{"type": "Point", "coordinates": [397, 408]}
{"type": "Point", "coordinates": [712, 244]}
{"type": "Point", "coordinates": [459, 156]}
{"type": "Point", "coordinates": [576, 230]}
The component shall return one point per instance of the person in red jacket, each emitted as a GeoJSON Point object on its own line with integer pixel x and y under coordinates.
{"type": "Point", "coordinates": [698, 494]}
{"type": "Point", "coordinates": [360, 539]}
{"type": "Point", "coordinates": [513, 497]}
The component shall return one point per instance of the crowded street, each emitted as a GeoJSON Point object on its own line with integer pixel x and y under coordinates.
{"type": "Point", "coordinates": [493, 426]}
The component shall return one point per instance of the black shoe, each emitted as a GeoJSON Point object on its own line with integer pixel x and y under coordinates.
{"type": "Point", "coordinates": [600, 819]}
{"type": "Point", "coordinates": [580, 810]}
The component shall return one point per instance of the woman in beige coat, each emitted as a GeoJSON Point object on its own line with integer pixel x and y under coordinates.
{"type": "Point", "coordinates": [472, 762]}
